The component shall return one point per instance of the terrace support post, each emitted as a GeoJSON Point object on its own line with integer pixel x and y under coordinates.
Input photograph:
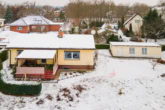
{"type": "Point", "coordinates": [25, 76]}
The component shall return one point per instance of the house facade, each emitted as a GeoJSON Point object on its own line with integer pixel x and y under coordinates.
{"type": "Point", "coordinates": [40, 56]}
{"type": "Point", "coordinates": [2, 22]}
{"type": "Point", "coordinates": [136, 21]}
{"type": "Point", "coordinates": [134, 49]}
{"type": "Point", "coordinates": [34, 24]}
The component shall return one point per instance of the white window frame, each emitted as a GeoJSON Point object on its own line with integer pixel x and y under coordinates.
{"type": "Point", "coordinates": [131, 51]}
{"type": "Point", "coordinates": [144, 51]}
{"type": "Point", "coordinates": [72, 55]}
{"type": "Point", "coordinates": [19, 28]}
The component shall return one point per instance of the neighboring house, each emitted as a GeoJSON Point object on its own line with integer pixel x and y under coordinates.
{"type": "Point", "coordinates": [40, 55]}
{"type": "Point", "coordinates": [135, 49]}
{"type": "Point", "coordinates": [34, 24]}
{"type": "Point", "coordinates": [2, 22]}
{"type": "Point", "coordinates": [137, 21]}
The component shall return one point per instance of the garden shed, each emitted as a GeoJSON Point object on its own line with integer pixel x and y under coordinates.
{"type": "Point", "coordinates": [135, 49]}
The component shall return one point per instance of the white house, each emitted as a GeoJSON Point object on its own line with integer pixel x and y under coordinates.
{"type": "Point", "coordinates": [137, 21]}
{"type": "Point", "coordinates": [2, 22]}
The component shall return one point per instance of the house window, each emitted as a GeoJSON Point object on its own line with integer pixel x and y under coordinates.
{"type": "Point", "coordinates": [137, 21]}
{"type": "Point", "coordinates": [33, 27]}
{"type": "Point", "coordinates": [144, 51]}
{"type": "Point", "coordinates": [43, 61]}
{"type": "Point", "coordinates": [131, 50]}
{"type": "Point", "coordinates": [42, 28]}
{"type": "Point", "coordinates": [72, 55]}
{"type": "Point", "coordinates": [19, 28]}
{"type": "Point", "coordinates": [19, 52]}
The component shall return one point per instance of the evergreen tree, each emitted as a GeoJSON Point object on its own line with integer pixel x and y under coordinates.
{"type": "Point", "coordinates": [8, 15]}
{"type": "Point", "coordinates": [130, 28]}
{"type": "Point", "coordinates": [62, 15]}
{"type": "Point", "coordinates": [122, 21]}
{"type": "Point", "coordinates": [119, 24]}
{"type": "Point", "coordinates": [153, 25]}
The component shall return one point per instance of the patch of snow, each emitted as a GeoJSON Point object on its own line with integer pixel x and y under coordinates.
{"type": "Point", "coordinates": [135, 44]}
{"type": "Point", "coordinates": [159, 41]}
{"type": "Point", "coordinates": [124, 38]}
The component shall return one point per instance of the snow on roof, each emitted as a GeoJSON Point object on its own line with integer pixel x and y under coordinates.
{"type": "Point", "coordinates": [134, 44]}
{"type": "Point", "coordinates": [33, 20]}
{"type": "Point", "coordinates": [37, 54]}
{"type": "Point", "coordinates": [2, 19]}
{"type": "Point", "coordinates": [131, 18]}
{"type": "Point", "coordinates": [52, 41]}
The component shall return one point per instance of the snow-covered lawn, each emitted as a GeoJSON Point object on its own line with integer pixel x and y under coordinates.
{"type": "Point", "coordinates": [115, 84]}
{"type": "Point", "coordinates": [159, 41]}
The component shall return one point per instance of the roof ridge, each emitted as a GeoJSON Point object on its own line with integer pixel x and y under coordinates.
{"type": "Point", "coordinates": [132, 18]}
{"type": "Point", "coordinates": [24, 21]}
{"type": "Point", "coordinates": [44, 19]}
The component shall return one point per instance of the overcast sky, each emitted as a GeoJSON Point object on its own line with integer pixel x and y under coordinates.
{"type": "Point", "coordinates": [64, 2]}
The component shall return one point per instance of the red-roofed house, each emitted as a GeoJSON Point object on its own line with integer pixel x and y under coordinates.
{"type": "Point", "coordinates": [34, 24]}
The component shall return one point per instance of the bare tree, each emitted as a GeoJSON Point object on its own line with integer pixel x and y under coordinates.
{"type": "Point", "coordinates": [140, 8]}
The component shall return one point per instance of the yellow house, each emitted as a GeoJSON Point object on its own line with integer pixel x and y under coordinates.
{"type": "Point", "coordinates": [135, 49]}
{"type": "Point", "coordinates": [41, 55]}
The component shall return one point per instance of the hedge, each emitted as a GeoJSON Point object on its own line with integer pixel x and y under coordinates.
{"type": "Point", "coordinates": [102, 46]}
{"type": "Point", "coordinates": [3, 55]}
{"type": "Point", "coordinates": [163, 47]}
{"type": "Point", "coordinates": [17, 89]}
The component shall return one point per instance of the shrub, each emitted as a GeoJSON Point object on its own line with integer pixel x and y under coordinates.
{"type": "Point", "coordinates": [17, 89]}
{"type": "Point", "coordinates": [1, 65]}
{"type": "Point", "coordinates": [3, 55]}
{"type": "Point", "coordinates": [14, 70]}
{"type": "Point", "coordinates": [112, 38]}
{"type": "Point", "coordinates": [102, 46]}
{"type": "Point", "coordinates": [163, 47]}
{"type": "Point", "coordinates": [161, 61]}
{"type": "Point", "coordinates": [96, 24]}
{"type": "Point", "coordinates": [136, 39]}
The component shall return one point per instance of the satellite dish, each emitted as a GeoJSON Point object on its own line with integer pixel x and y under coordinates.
{"type": "Point", "coordinates": [93, 32]}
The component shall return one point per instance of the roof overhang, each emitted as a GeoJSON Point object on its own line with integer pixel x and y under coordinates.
{"type": "Point", "coordinates": [37, 54]}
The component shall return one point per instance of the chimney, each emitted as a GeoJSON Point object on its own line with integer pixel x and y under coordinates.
{"type": "Point", "coordinates": [60, 34]}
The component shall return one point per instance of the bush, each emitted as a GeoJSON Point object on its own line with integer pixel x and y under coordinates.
{"type": "Point", "coordinates": [1, 65]}
{"type": "Point", "coordinates": [96, 24]}
{"type": "Point", "coordinates": [102, 46]}
{"type": "Point", "coordinates": [136, 39]}
{"type": "Point", "coordinates": [16, 89]}
{"type": "Point", "coordinates": [112, 38]}
{"type": "Point", "coordinates": [3, 55]}
{"type": "Point", "coordinates": [163, 47]}
{"type": "Point", "coordinates": [128, 33]}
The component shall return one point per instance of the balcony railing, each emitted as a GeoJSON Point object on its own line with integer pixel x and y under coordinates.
{"type": "Point", "coordinates": [30, 70]}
